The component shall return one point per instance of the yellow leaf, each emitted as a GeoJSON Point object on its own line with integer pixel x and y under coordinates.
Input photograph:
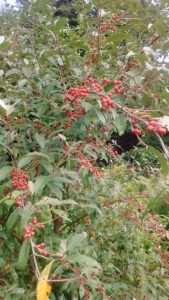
{"type": "Point", "coordinates": [43, 287]}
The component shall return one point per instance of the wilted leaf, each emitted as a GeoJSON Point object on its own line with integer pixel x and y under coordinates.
{"type": "Point", "coordinates": [43, 288]}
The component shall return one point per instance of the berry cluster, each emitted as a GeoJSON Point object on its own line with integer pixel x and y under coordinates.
{"type": "Point", "coordinates": [106, 81]}
{"type": "Point", "coordinates": [29, 231]}
{"type": "Point", "coordinates": [107, 103]}
{"type": "Point", "coordinates": [41, 247]}
{"type": "Point", "coordinates": [107, 26]}
{"type": "Point", "coordinates": [19, 179]}
{"type": "Point", "coordinates": [75, 114]}
{"type": "Point", "coordinates": [20, 200]}
{"type": "Point", "coordinates": [154, 126]}
{"type": "Point", "coordinates": [73, 94]}
{"type": "Point", "coordinates": [104, 26]}
{"type": "Point", "coordinates": [111, 152]}
{"type": "Point", "coordinates": [96, 87]}
{"type": "Point", "coordinates": [87, 164]}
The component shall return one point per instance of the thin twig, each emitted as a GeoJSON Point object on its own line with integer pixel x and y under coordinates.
{"type": "Point", "coordinates": [37, 272]}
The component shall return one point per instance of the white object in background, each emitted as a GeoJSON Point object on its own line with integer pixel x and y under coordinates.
{"type": "Point", "coordinates": [163, 121]}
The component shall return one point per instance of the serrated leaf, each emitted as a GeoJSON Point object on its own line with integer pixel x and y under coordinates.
{"type": "Point", "coordinates": [101, 117]}
{"type": "Point", "coordinates": [39, 154]}
{"type": "Point", "coordinates": [85, 261]}
{"type": "Point", "coordinates": [62, 214]}
{"type": "Point", "coordinates": [4, 172]}
{"type": "Point", "coordinates": [24, 161]}
{"type": "Point", "coordinates": [76, 241]}
{"type": "Point", "coordinates": [55, 202]}
{"type": "Point", "coordinates": [40, 184]}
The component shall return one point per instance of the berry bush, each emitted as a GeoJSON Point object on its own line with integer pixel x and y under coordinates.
{"type": "Point", "coordinates": [70, 229]}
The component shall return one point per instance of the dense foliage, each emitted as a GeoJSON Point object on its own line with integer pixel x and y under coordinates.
{"type": "Point", "coordinates": [101, 232]}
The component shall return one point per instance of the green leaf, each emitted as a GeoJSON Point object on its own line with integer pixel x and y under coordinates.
{"type": "Point", "coordinates": [22, 83]}
{"type": "Point", "coordinates": [101, 117]}
{"type": "Point", "coordinates": [40, 184]}
{"type": "Point", "coordinates": [120, 122]}
{"type": "Point", "coordinates": [166, 46]}
{"type": "Point", "coordinates": [60, 23]}
{"type": "Point", "coordinates": [12, 219]}
{"type": "Point", "coordinates": [24, 161]}
{"type": "Point", "coordinates": [23, 255]}
{"type": "Point", "coordinates": [76, 241]}
{"type": "Point", "coordinates": [27, 72]}
{"type": "Point", "coordinates": [62, 214]}
{"type": "Point", "coordinates": [39, 154]}
{"type": "Point", "coordinates": [25, 214]}
{"type": "Point", "coordinates": [88, 263]}
{"type": "Point", "coordinates": [55, 202]}
{"type": "Point", "coordinates": [11, 72]}
{"type": "Point", "coordinates": [164, 164]}
{"type": "Point", "coordinates": [40, 140]}
{"type": "Point", "coordinates": [109, 87]}
{"type": "Point", "coordinates": [4, 172]}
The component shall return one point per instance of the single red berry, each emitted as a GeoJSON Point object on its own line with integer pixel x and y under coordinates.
{"type": "Point", "coordinates": [106, 81]}
{"type": "Point", "coordinates": [133, 121]}
{"type": "Point", "coordinates": [44, 253]}
{"type": "Point", "coordinates": [161, 130]}
{"type": "Point", "coordinates": [66, 147]}
{"type": "Point", "coordinates": [150, 128]}
{"type": "Point", "coordinates": [137, 131]}
{"type": "Point", "coordinates": [34, 220]}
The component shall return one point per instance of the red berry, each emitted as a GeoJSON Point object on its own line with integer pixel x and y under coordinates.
{"type": "Point", "coordinates": [40, 246]}
{"type": "Point", "coordinates": [150, 128]}
{"type": "Point", "coordinates": [66, 147]}
{"type": "Point", "coordinates": [137, 131]}
{"type": "Point", "coordinates": [106, 81]}
{"type": "Point", "coordinates": [161, 130]}
{"type": "Point", "coordinates": [154, 123]}
{"type": "Point", "coordinates": [117, 82]}
{"type": "Point", "coordinates": [133, 121]}
{"type": "Point", "coordinates": [44, 253]}
{"type": "Point", "coordinates": [34, 220]}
